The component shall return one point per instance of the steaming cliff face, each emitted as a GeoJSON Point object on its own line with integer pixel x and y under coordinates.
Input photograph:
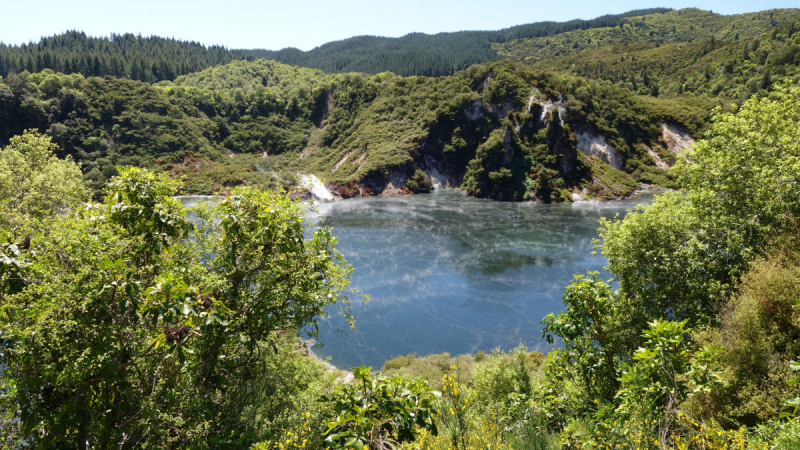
{"type": "Point", "coordinates": [495, 143]}
{"type": "Point", "coordinates": [660, 163]}
{"type": "Point", "coordinates": [318, 190]}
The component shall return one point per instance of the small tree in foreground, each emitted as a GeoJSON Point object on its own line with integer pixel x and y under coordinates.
{"type": "Point", "coordinates": [132, 324]}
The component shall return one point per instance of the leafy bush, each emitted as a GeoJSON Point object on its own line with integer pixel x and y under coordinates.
{"type": "Point", "coordinates": [399, 362]}
{"type": "Point", "coordinates": [504, 386]}
{"type": "Point", "coordinates": [135, 324]}
{"type": "Point", "coordinates": [379, 413]}
{"type": "Point", "coordinates": [430, 368]}
{"type": "Point", "coordinates": [759, 335]}
{"type": "Point", "coordinates": [279, 399]}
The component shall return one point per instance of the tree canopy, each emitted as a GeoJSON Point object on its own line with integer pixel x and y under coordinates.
{"type": "Point", "coordinates": [35, 183]}
{"type": "Point", "coordinates": [134, 324]}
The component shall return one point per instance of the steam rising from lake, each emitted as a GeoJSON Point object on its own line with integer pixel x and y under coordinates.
{"type": "Point", "coordinates": [451, 273]}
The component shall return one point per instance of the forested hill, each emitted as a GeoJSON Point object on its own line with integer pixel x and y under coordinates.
{"type": "Point", "coordinates": [595, 123]}
{"type": "Point", "coordinates": [140, 58]}
{"type": "Point", "coordinates": [154, 59]}
{"type": "Point", "coordinates": [684, 25]}
{"type": "Point", "coordinates": [429, 55]}
{"type": "Point", "coordinates": [727, 70]}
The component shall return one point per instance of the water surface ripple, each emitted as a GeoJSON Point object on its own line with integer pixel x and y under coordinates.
{"type": "Point", "coordinates": [451, 273]}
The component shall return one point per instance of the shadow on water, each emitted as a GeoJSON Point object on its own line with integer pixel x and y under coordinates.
{"type": "Point", "coordinates": [451, 273]}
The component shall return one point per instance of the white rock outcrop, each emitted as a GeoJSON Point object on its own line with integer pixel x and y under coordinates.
{"type": "Point", "coordinates": [341, 161]}
{"type": "Point", "coordinates": [677, 138]}
{"type": "Point", "coordinates": [660, 163]}
{"type": "Point", "coordinates": [548, 105]}
{"type": "Point", "coordinates": [594, 144]}
{"type": "Point", "coordinates": [438, 180]}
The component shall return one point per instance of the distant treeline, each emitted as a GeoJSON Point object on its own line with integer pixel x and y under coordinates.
{"type": "Point", "coordinates": [140, 58]}
{"type": "Point", "coordinates": [429, 55]}
{"type": "Point", "coordinates": [154, 59]}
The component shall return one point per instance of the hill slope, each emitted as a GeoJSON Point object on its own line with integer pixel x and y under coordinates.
{"type": "Point", "coordinates": [499, 130]}
{"type": "Point", "coordinates": [594, 123]}
{"type": "Point", "coordinates": [684, 25]}
{"type": "Point", "coordinates": [429, 55]}
{"type": "Point", "coordinates": [711, 68]}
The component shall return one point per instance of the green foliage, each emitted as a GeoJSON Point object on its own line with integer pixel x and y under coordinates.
{"type": "Point", "coordinates": [348, 129]}
{"type": "Point", "coordinates": [379, 413]}
{"type": "Point", "coordinates": [148, 59]}
{"type": "Point", "coordinates": [759, 338]}
{"type": "Point", "coordinates": [707, 70]}
{"type": "Point", "coordinates": [489, 405]}
{"type": "Point", "coordinates": [419, 183]}
{"type": "Point", "coordinates": [665, 371]}
{"type": "Point", "coordinates": [504, 386]}
{"type": "Point", "coordinates": [532, 433]}
{"type": "Point", "coordinates": [660, 375]}
{"type": "Point", "coordinates": [435, 55]}
{"type": "Point", "coordinates": [669, 261]}
{"type": "Point", "coordinates": [135, 326]}
{"type": "Point", "coordinates": [750, 159]}
{"type": "Point", "coordinates": [429, 368]}
{"type": "Point", "coordinates": [399, 362]}
{"type": "Point", "coordinates": [683, 25]}
{"type": "Point", "coordinates": [34, 183]}
{"type": "Point", "coordinates": [595, 337]}
{"type": "Point", "coordinates": [457, 402]}
{"type": "Point", "coordinates": [711, 435]}
{"type": "Point", "coordinates": [679, 256]}
{"type": "Point", "coordinates": [678, 261]}
{"type": "Point", "coordinates": [279, 396]}
{"type": "Point", "coordinates": [780, 434]}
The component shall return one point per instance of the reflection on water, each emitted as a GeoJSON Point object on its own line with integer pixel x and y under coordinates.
{"type": "Point", "coordinates": [451, 273]}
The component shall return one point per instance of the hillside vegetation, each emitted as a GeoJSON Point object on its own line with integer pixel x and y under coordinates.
{"type": "Point", "coordinates": [683, 25]}
{"type": "Point", "coordinates": [148, 59]}
{"type": "Point", "coordinates": [155, 58]}
{"type": "Point", "coordinates": [429, 55]}
{"type": "Point", "coordinates": [707, 68]}
{"type": "Point", "coordinates": [501, 130]}
{"type": "Point", "coordinates": [572, 118]}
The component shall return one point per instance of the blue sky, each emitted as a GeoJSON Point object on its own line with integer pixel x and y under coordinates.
{"type": "Point", "coordinates": [307, 23]}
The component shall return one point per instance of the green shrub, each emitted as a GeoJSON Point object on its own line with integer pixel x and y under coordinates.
{"type": "Point", "coordinates": [760, 336]}
{"type": "Point", "coordinates": [398, 362]}
{"type": "Point", "coordinates": [377, 412]}
{"type": "Point", "coordinates": [430, 368]}
{"type": "Point", "coordinates": [281, 394]}
{"type": "Point", "coordinates": [504, 385]}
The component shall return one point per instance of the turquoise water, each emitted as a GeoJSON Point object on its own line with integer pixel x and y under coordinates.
{"type": "Point", "coordinates": [451, 273]}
